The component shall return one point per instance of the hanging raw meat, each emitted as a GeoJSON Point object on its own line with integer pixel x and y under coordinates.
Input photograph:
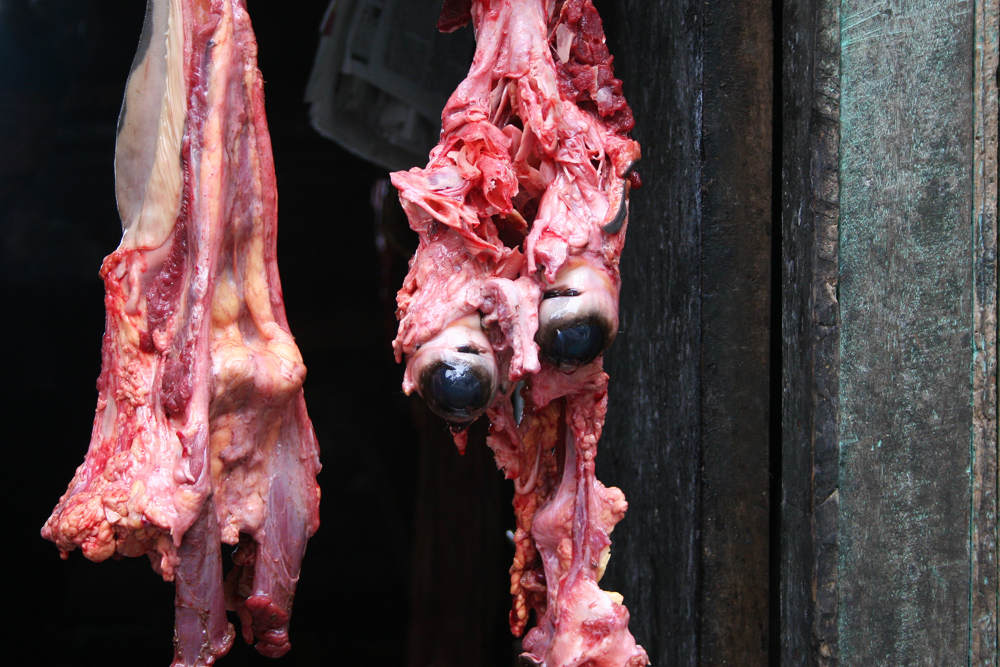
{"type": "Point", "coordinates": [512, 297]}
{"type": "Point", "coordinates": [201, 434]}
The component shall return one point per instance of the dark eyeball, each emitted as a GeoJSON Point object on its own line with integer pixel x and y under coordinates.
{"type": "Point", "coordinates": [572, 343]}
{"type": "Point", "coordinates": [578, 344]}
{"type": "Point", "coordinates": [455, 371]}
{"type": "Point", "coordinates": [578, 316]}
{"type": "Point", "coordinates": [456, 391]}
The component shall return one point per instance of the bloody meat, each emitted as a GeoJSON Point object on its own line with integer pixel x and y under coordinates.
{"type": "Point", "coordinates": [201, 434]}
{"type": "Point", "coordinates": [512, 297]}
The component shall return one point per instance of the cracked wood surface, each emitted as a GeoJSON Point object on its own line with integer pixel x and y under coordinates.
{"type": "Point", "coordinates": [810, 333]}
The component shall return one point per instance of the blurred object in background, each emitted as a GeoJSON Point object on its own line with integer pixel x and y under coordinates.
{"type": "Point", "coordinates": [382, 75]}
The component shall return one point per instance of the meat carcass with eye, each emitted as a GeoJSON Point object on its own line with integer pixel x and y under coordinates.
{"type": "Point", "coordinates": [522, 212]}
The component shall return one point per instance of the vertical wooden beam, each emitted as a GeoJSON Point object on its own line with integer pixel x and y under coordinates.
{"type": "Point", "coordinates": [736, 310]}
{"type": "Point", "coordinates": [917, 282]}
{"type": "Point", "coordinates": [889, 536]}
{"type": "Point", "coordinates": [983, 580]}
{"type": "Point", "coordinates": [687, 430]}
{"type": "Point", "coordinates": [810, 332]}
{"type": "Point", "coordinates": [650, 446]}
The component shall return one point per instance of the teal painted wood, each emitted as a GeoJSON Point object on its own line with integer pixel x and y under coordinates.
{"type": "Point", "coordinates": [917, 285]}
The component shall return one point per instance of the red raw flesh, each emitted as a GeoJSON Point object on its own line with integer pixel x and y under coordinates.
{"type": "Point", "coordinates": [201, 434]}
{"type": "Point", "coordinates": [587, 76]}
{"type": "Point", "coordinates": [454, 15]}
{"type": "Point", "coordinates": [533, 161]}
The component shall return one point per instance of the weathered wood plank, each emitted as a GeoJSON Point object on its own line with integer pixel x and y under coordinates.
{"type": "Point", "coordinates": [687, 431]}
{"type": "Point", "coordinates": [650, 446]}
{"type": "Point", "coordinates": [907, 332]}
{"type": "Point", "coordinates": [983, 584]}
{"type": "Point", "coordinates": [810, 332]}
{"type": "Point", "coordinates": [735, 325]}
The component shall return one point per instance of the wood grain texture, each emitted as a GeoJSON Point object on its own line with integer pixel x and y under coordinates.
{"type": "Point", "coordinates": [907, 252]}
{"type": "Point", "coordinates": [735, 331]}
{"type": "Point", "coordinates": [687, 430]}
{"type": "Point", "coordinates": [810, 332]}
{"type": "Point", "coordinates": [650, 446]}
{"type": "Point", "coordinates": [983, 583]}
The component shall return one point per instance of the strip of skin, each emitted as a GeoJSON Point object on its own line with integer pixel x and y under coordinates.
{"type": "Point", "coordinates": [511, 212]}
{"type": "Point", "coordinates": [201, 433]}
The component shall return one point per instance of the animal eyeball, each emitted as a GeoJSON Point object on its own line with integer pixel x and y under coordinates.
{"type": "Point", "coordinates": [457, 391]}
{"type": "Point", "coordinates": [572, 343]}
{"type": "Point", "coordinates": [578, 344]}
{"type": "Point", "coordinates": [577, 318]}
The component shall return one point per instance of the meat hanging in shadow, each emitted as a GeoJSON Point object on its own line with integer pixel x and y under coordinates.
{"type": "Point", "coordinates": [512, 298]}
{"type": "Point", "coordinates": [201, 434]}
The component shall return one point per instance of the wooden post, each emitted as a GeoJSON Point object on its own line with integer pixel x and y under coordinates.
{"type": "Point", "coordinates": [889, 324]}
{"type": "Point", "coordinates": [687, 432]}
{"type": "Point", "coordinates": [810, 332]}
